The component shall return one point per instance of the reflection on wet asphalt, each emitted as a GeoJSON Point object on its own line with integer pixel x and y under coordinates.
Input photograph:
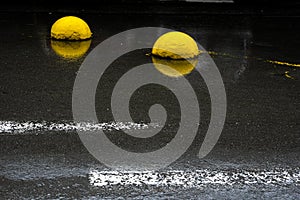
{"type": "Point", "coordinates": [257, 155]}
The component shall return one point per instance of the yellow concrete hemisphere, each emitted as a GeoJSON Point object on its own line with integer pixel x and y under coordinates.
{"type": "Point", "coordinates": [175, 45]}
{"type": "Point", "coordinates": [70, 28]}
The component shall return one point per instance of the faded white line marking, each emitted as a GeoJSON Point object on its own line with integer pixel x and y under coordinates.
{"type": "Point", "coordinates": [13, 127]}
{"type": "Point", "coordinates": [197, 178]}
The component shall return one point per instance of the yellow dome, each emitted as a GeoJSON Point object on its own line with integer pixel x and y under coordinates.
{"type": "Point", "coordinates": [175, 45]}
{"type": "Point", "coordinates": [70, 28]}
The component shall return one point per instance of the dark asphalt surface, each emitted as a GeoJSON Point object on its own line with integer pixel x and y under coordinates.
{"type": "Point", "coordinates": [261, 132]}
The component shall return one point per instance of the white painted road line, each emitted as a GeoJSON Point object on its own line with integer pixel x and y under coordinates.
{"type": "Point", "coordinates": [197, 178]}
{"type": "Point", "coordinates": [29, 127]}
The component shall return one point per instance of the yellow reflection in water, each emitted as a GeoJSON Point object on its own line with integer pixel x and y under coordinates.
{"type": "Point", "coordinates": [70, 49]}
{"type": "Point", "coordinates": [174, 68]}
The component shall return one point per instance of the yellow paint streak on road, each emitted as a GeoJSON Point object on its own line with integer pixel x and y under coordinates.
{"type": "Point", "coordinates": [286, 73]}
{"type": "Point", "coordinates": [247, 57]}
{"type": "Point", "coordinates": [284, 63]}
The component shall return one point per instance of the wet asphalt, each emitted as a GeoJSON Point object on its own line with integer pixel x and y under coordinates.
{"type": "Point", "coordinates": [260, 134]}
